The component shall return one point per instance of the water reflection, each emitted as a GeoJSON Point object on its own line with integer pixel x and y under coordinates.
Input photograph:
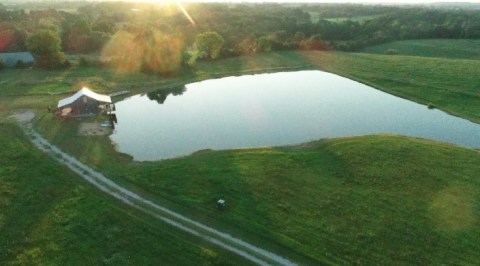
{"type": "Point", "coordinates": [161, 95]}
{"type": "Point", "coordinates": [270, 110]}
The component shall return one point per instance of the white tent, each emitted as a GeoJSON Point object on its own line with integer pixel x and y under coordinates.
{"type": "Point", "coordinates": [84, 92]}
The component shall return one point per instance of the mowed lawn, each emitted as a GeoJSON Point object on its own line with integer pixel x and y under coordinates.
{"type": "Point", "coordinates": [48, 216]}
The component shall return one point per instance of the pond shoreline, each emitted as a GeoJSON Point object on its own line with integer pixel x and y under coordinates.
{"type": "Point", "coordinates": [273, 109]}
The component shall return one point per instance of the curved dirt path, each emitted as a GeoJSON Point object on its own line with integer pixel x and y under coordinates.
{"type": "Point", "coordinates": [250, 252]}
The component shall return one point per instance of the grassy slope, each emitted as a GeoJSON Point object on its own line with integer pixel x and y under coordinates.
{"type": "Point", "coordinates": [450, 85]}
{"type": "Point", "coordinates": [373, 199]}
{"type": "Point", "coordinates": [441, 48]}
{"type": "Point", "coordinates": [48, 216]}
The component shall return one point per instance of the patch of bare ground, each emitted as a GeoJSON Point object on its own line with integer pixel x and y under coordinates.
{"type": "Point", "coordinates": [93, 129]}
{"type": "Point", "coordinates": [24, 116]}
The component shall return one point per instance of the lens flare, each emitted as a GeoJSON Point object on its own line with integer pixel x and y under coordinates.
{"type": "Point", "coordinates": [184, 11]}
{"type": "Point", "coordinates": [149, 51]}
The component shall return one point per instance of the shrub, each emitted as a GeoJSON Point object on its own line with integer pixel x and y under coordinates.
{"type": "Point", "coordinates": [20, 64]}
{"type": "Point", "coordinates": [67, 64]}
{"type": "Point", "coordinates": [89, 61]}
{"type": "Point", "coordinates": [82, 61]}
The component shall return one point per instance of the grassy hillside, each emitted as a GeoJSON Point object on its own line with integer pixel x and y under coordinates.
{"type": "Point", "coordinates": [372, 200]}
{"type": "Point", "coordinates": [443, 48]}
{"type": "Point", "coordinates": [451, 85]}
{"type": "Point", "coordinates": [369, 200]}
{"type": "Point", "coordinates": [49, 217]}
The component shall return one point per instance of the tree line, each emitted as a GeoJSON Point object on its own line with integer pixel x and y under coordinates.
{"type": "Point", "coordinates": [162, 38]}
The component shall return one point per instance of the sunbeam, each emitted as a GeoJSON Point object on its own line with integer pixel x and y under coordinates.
{"type": "Point", "coordinates": [184, 11]}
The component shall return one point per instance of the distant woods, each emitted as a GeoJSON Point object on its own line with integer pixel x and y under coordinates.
{"type": "Point", "coordinates": [162, 38]}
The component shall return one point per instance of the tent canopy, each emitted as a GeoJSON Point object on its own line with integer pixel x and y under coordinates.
{"type": "Point", "coordinates": [84, 92]}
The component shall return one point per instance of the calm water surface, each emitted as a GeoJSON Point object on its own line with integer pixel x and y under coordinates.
{"type": "Point", "coordinates": [274, 109]}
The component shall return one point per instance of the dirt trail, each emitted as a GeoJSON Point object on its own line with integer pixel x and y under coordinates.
{"type": "Point", "coordinates": [251, 252]}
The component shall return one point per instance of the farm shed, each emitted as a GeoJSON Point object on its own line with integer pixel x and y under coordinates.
{"type": "Point", "coordinates": [83, 103]}
{"type": "Point", "coordinates": [11, 59]}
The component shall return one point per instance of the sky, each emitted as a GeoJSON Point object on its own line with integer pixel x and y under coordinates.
{"type": "Point", "coordinates": [357, 1]}
{"type": "Point", "coordinates": [344, 1]}
{"type": "Point", "coordinates": [320, 1]}
{"type": "Point", "coordinates": [323, 1]}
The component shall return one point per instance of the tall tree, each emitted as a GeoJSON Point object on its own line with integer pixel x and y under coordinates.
{"type": "Point", "coordinates": [209, 44]}
{"type": "Point", "coordinates": [45, 45]}
{"type": "Point", "coordinates": [78, 36]}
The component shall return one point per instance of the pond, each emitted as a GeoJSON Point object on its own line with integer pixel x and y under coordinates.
{"type": "Point", "coordinates": [272, 110]}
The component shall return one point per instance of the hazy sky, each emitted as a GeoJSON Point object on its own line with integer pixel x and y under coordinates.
{"type": "Point", "coordinates": [319, 1]}
{"type": "Point", "coordinates": [342, 1]}
{"type": "Point", "coordinates": [355, 1]}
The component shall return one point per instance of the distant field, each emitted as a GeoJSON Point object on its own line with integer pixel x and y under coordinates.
{"type": "Point", "coordinates": [356, 19]}
{"type": "Point", "coordinates": [455, 49]}
{"type": "Point", "coordinates": [450, 85]}
{"type": "Point", "coordinates": [315, 17]}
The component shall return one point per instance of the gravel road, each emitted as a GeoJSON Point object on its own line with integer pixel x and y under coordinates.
{"type": "Point", "coordinates": [249, 251]}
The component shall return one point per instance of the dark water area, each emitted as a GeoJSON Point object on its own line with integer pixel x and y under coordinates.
{"type": "Point", "coordinates": [271, 110]}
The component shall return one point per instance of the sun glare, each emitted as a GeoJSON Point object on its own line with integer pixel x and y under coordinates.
{"type": "Point", "coordinates": [304, 1]}
{"type": "Point", "coordinates": [177, 3]}
{"type": "Point", "coordinates": [184, 11]}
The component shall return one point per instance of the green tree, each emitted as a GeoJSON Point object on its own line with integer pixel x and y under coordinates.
{"type": "Point", "coordinates": [104, 25]}
{"type": "Point", "coordinates": [78, 36]}
{"type": "Point", "coordinates": [98, 39]}
{"type": "Point", "coordinates": [209, 44]}
{"type": "Point", "coordinates": [247, 46]}
{"type": "Point", "coordinates": [313, 43]}
{"type": "Point", "coordinates": [265, 44]}
{"type": "Point", "coordinates": [298, 37]}
{"type": "Point", "coordinates": [45, 45]}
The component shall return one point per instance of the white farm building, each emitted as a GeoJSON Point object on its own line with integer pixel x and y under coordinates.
{"type": "Point", "coordinates": [83, 103]}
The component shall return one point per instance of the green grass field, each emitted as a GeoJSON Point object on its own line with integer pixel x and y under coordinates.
{"type": "Point", "coordinates": [48, 216]}
{"type": "Point", "coordinates": [368, 200]}
{"type": "Point", "coordinates": [451, 85]}
{"type": "Point", "coordinates": [441, 48]}
{"type": "Point", "coordinates": [355, 19]}
{"type": "Point", "coordinates": [362, 200]}
{"type": "Point", "coordinates": [315, 17]}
